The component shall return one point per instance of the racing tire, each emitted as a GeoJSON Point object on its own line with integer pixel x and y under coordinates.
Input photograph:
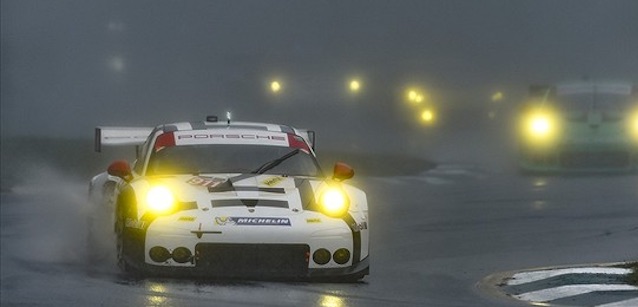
{"type": "Point", "coordinates": [123, 241]}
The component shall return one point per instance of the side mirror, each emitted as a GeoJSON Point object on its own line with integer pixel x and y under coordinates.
{"type": "Point", "coordinates": [120, 168]}
{"type": "Point", "coordinates": [342, 171]}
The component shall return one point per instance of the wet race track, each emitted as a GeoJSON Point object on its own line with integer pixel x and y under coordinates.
{"type": "Point", "coordinates": [434, 237]}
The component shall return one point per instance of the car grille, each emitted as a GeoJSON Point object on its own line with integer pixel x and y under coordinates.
{"type": "Point", "coordinates": [589, 160]}
{"type": "Point", "coordinates": [252, 260]}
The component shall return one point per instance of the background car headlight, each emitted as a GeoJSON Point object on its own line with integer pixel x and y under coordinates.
{"type": "Point", "coordinates": [540, 125]}
{"type": "Point", "coordinates": [334, 202]}
{"type": "Point", "coordinates": [634, 126]}
{"type": "Point", "coordinates": [160, 200]}
{"type": "Point", "coordinates": [540, 128]}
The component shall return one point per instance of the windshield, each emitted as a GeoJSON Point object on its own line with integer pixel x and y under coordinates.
{"type": "Point", "coordinates": [199, 159]}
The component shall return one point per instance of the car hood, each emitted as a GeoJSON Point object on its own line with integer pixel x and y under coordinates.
{"type": "Point", "coordinates": [273, 194]}
{"type": "Point", "coordinates": [595, 127]}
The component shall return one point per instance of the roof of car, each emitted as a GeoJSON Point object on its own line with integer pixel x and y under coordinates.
{"type": "Point", "coordinates": [205, 125]}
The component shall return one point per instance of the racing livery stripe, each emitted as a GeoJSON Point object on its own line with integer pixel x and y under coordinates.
{"type": "Point", "coordinates": [306, 194]}
{"type": "Point", "coordinates": [249, 203]}
{"type": "Point", "coordinates": [295, 141]}
{"type": "Point", "coordinates": [230, 188]}
{"type": "Point", "coordinates": [256, 189]}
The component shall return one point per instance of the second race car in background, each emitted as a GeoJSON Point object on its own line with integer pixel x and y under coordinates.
{"type": "Point", "coordinates": [580, 127]}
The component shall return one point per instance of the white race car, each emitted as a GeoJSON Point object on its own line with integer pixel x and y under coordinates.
{"type": "Point", "coordinates": [232, 200]}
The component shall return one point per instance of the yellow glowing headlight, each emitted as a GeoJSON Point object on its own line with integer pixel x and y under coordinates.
{"type": "Point", "coordinates": [540, 126]}
{"type": "Point", "coordinates": [412, 95]}
{"type": "Point", "coordinates": [275, 86]}
{"type": "Point", "coordinates": [634, 125]}
{"type": "Point", "coordinates": [427, 116]}
{"type": "Point", "coordinates": [355, 85]}
{"type": "Point", "coordinates": [334, 202]}
{"type": "Point", "coordinates": [160, 200]}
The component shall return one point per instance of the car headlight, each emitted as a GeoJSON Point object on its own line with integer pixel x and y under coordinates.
{"type": "Point", "coordinates": [634, 125]}
{"type": "Point", "coordinates": [334, 202]}
{"type": "Point", "coordinates": [160, 200]}
{"type": "Point", "coordinates": [540, 128]}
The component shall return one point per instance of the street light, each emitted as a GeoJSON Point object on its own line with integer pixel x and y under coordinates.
{"type": "Point", "coordinates": [275, 86]}
{"type": "Point", "coordinates": [412, 95]}
{"type": "Point", "coordinates": [355, 86]}
{"type": "Point", "coordinates": [427, 116]}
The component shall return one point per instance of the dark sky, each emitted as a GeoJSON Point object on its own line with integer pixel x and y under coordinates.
{"type": "Point", "coordinates": [68, 66]}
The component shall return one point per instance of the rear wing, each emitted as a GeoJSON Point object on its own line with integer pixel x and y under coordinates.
{"type": "Point", "coordinates": [120, 136]}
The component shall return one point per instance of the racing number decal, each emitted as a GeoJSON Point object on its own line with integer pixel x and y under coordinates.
{"type": "Point", "coordinates": [207, 182]}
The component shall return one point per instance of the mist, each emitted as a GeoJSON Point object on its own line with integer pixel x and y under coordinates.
{"type": "Point", "coordinates": [68, 66]}
{"type": "Point", "coordinates": [56, 232]}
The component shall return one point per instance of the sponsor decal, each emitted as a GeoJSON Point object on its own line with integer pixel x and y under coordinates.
{"type": "Point", "coordinates": [239, 137]}
{"type": "Point", "coordinates": [207, 182]}
{"type": "Point", "coordinates": [272, 181]}
{"type": "Point", "coordinates": [313, 220]}
{"type": "Point", "coordinates": [251, 221]}
{"type": "Point", "coordinates": [186, 218]}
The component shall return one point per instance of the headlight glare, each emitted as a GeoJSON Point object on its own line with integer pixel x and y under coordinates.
{"type": "Point", "coordinates": [634, 125]}
{"type": "Point", "coordinates": [334, 202]}
{"type": "Point", "coordinates": [540, 128]}
{"type": "Point", "coordinates": [540, 125]}
{"type": "Point", "coordinates": [160, 200]}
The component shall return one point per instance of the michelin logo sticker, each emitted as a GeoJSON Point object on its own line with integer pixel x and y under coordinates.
{"type": "Point", "coordinates": [252, 221]}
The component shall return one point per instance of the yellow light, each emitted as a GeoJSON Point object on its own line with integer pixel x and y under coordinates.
{"type": "Point", "coordinates": [427, 116]}
{"type": "Point", "coordinates": [498, 96]}
{"type": "Point", "coordinates": [540, 125]}
{"type": "Point", "coordinates": [334, 202]}
{"type": "Point", "coordinates": [160, 200]}
{"type": "Point", "coordinates": [412, 94]}
{"type": "Point", "coordinates": [634, 125]}
{"type": "Point", "coordinates": [541, 128]}
{"type": "Point", "coordinates": [275, 86]}
{"type": "Point", "coordinates": [418, 98]}
{"type": "Point", "coordinates": [355, 85]}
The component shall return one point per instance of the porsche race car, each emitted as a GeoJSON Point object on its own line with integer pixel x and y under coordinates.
{"type": "Point", "coordinates": [217, 199]}
{"type": "Point", "coordinates": [580, 127]}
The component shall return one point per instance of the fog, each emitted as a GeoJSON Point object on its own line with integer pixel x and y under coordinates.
{"type": "Point", "coordinates": [447, 203]}
{"type": "Point", "coordinates": [68, 66]}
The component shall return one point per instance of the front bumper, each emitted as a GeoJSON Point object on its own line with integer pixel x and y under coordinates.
{"type": "Point", "coordinates": [255, 252]}
{"type": "Point", "coordinates": [348, 273]}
